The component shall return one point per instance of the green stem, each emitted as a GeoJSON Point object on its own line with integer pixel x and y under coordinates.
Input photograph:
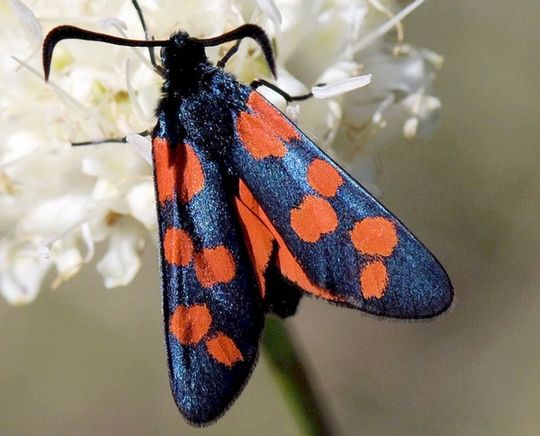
{"type": "Point", "coordinates": [291, 375]}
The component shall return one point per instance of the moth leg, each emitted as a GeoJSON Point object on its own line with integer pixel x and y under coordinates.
{"type": "Point", "coordinates": [157, 68]}
{"type": "Point", "coordinates": [221, 63]}
{"type": "Point", "coordinates": [122, 140]}
{"type": "Point", "coordinates": [289, 98]}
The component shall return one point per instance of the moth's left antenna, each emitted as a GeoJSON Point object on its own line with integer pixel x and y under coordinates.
{"type": "Point", "coordinates": [71, 32]}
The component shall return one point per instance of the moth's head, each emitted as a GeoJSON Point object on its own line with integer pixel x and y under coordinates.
{"type": "Point", "coordinates": [182, 53]}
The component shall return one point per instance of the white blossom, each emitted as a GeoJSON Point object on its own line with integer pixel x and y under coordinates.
{"type": "Point", "coordinates": [342, 86]}
{"type": "Point", "coordinates": [58, 202]}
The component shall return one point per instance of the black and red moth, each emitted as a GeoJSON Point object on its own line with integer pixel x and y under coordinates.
{"type": "Point", "coordinates": [251, 215]}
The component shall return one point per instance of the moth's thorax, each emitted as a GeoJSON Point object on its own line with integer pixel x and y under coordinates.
{"type": "Point", "coordinates": [200, 101]}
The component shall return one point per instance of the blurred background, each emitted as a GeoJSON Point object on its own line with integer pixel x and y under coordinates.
{"type": "Point", "coordinates": [84, 360]}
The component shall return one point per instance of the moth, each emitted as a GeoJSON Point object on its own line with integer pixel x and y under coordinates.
{"type": "Point", "coordinates": [252, 215]}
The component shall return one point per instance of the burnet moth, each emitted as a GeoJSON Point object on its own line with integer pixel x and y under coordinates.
{"type": "Point", "coordinates": [252, 214]}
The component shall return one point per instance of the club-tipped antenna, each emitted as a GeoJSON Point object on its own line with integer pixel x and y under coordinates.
{"type": "Point", "coordinates": [71, 32]}
{"type": "Point", "coordinates": [246, 31]}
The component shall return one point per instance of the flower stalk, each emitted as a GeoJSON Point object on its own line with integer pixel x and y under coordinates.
{"type": "Point", "coordinates": [290, 373]}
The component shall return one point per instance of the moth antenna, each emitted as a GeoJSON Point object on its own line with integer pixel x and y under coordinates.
{"type": "Point", "coordinates": [246, 31]}
{"type": "Point", "coordinates": [71, 32]}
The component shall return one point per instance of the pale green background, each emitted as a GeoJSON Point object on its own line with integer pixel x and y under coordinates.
{"type": "Point", "coordinates": [83, 360]}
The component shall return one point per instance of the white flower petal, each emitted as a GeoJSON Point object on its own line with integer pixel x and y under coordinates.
{"type": "Point", "coordinates": [29, 20]}
{"type": "Point", "coordinates": [86, 234]}
{"type": "Point", "coordinates": [54, 216]}
{"type": "Point", "coordinates": [142, 146]}
{"type": "Point", "coordinates": [341, 87]}
{"type": "Point", "coordinates": [340, 71]}
{"type": "Point", "coordinates": [112, 22]}
{"type": "Point", "coordinates": [271, 10]}
{"type": "Point", "coordinates": [44, 251]}
{"type": "Point", "coordinates": [67, 259]}
{"type": "Point", "coordinates": [122, 260]}
{"type": "Point", "coordinates": [386, 26]}
{"type": "Point", "coordinates": [132, 96]}
{"type": "Point", "coordinates": [426, 110]}
{"type": "Point", "coordinates": [21, 283]}
{"type": "Point", "coordinates": [293, 111]}
{"type": "Point", "coordinates": [113, 162]}
{"type": "Point", "coordinates": [410, 127]}
{"type": "Point", "coordinates": [141, 201]}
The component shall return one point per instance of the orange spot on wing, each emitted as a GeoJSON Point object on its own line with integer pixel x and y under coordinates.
{"type": "Point", "coordinates": [247, 197]}
{"type": "Point", "coordinates": [259, 241]}
{"type": "Point", "coordinates": [258, 138]}
{"type": "Point", "coordinates": [177, 169]}
{"type": "Point", "coordinates": [275, 120]}
{"type": "Point", "coordinates": [177, 247]}
{"type": "Point", "coordinates": [373, 280]}
{"type": "Point", "coordinates": [214, 265]}
{"type": "Point", "coordinates": [291, 269]}
{"type": "Point", "coordinates": [190, 324]}
{"type": "Point", "coordinates": [285, 261]}
{"type": "Point", "coordinates": [313, 218]}
{"type": "Point", "coordinates": [164, 167]}
{"type": "Point", "coordinates": [324, 178]}
{"type": "Point", "coordinates": [191, 176]}
{"type": "Point", "coordinates": [264, 131]}
{"type": "Point", "coordinates": [376, 236]}
{"type": "Point", "coordinates": [222, 348]}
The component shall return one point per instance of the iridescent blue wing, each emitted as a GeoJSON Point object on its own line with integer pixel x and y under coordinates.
{"type": "Point", "coordinates": [211, 303]}
{"type": "Point", "coordinates": [334, 239]}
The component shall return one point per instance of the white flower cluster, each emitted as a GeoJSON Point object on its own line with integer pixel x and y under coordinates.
{"type": "Point", "coordinates": [57, 201]}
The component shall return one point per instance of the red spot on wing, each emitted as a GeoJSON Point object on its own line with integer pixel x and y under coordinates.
{"type": "Point", "coordinates": [177, 247]}
{"type": "Point", "coordinates": [376, 236]}
{"type": "Point", "coordinates": [259, 241]}
{"type": "Point", "coordinates": [373, 280]}
{"type": "Point", "coordinates": [178, 170]}
{"type": "Point", "coordinates": [324, 178]}
{"type": "Point", "coordinates": [191, 176]}
{"type": "Point", "coordinates": [247, 197]}
{"type": "Point", "coordinates": [264, 131]}
{"type": "Point", "coordinates": [222, 348]}
{"type": "Point", "coordinates": [257, 137]}
{"type": "Point", "coordinates": [214, 265]}
{"type": "Point", "coordinates": [165, 169]}
{"type": "Point", "coordinates": [275, 120]}
{"type": "Point", "coordinates": [292, 270]}
{"type": "Point", "coordinates": [190, 324]}
{"type": "Point", "coordinates": [285, 261]}
{"type": "Point", "coordinates": [313, 218]}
